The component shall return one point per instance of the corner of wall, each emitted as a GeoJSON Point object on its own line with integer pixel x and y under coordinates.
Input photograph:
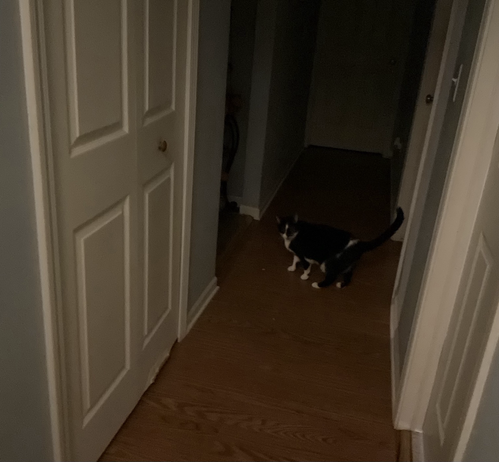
{"type": "Point", "coordinates": [214, 27]}
{"type": "Point", "coordinates": [200, 305]}
{"type": "Point", "coordinates": [276, 131]}
{"type": "Point", "coordinates": [261, 75]}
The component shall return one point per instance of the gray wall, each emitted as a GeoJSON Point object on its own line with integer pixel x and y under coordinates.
{"type": "Point", "coordinates": [214, 25]}
{"type": "Point", "coordinates": [242, 42]}
{"type": "Point", "coordinates": [421, 28]}
{"type": "Point", "coordinates": [484, 443]}
{"type": "Point", "coordinates": [438, 175]}
{"type": "Point", "coordinates": [294, 46]}
{"type": "Point", "coordinates": [24, 413]}
{"type": "Point", "coordinates": [261, 75]}
{"type": "Point", "coordinates": [282, 69]}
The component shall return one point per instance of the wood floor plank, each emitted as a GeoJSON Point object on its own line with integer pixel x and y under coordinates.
{"type": "Point", "coordinates": [275, 370]}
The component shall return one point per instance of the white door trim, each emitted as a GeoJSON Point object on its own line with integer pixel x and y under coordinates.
{"type": "Point", "coordinates": [33, 46]}
{"type": "Point", "coordinates": [35, 74]}
{"type": "Point", "coordinates": [189, 146]}
{"type": "Point", "coordinates": [444, 18]}
{"type": "Point", "coordinates": [458, 212]}
{"type": "Point", "coordinates": [420, 190]}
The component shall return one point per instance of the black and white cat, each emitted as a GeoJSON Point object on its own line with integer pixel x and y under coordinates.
{"type": "Point", "coordinates": [334, 250]}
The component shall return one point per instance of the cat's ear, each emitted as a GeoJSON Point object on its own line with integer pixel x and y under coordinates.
{"type": "Point", "coordinates": [278, 220]}
{"type": "Point", "coordinates": [295, 218]}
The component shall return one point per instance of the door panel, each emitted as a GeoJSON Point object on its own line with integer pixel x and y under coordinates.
{"type": "Point", "coordinates": [161, 30]}
{"type": "Point", "coordinates": [405, 166]}
{"type": "Point", "coordinates": [158, 236]}
{"type": "Point", "coordinates": [96, 92]}
{"type": "Point", "coordinates": [157, 116]}
{"type": "Point", "coordinates": [91, 83]}
{"type": "Point", "coordinates": [475, 307]}
{"type": "Point", "coordinates": [159, 53]}
{"type": "Point", "coordinates": [412, 272]}
{"type": "Point", "coordinates": [469, 328]}
{"type": "Point", "coordinates": [112, 71]}
{"type": "Point", "coordinates": [103, 274]}
{"type": "Point", "coordinates": [472, 317]}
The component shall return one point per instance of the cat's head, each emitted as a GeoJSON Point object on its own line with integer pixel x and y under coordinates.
{"type": "Point", "coordinates": [287, 226]}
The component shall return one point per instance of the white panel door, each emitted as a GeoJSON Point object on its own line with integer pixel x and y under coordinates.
{"type": "Point", "coordinates": [432, 173]}
{"type": "Point", "coordinates": [475, 307]}
{"type": "Point", "coordinates": [160, 129]}
{"type": "Point", "coordinates": [113, 73]}
{"type": "Point", "coordinates": [358, 65]}
{"type": "Point", "coordinates": [470, 326]}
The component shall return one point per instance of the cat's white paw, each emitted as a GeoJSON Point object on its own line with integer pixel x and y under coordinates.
{"type": "Point", "coordinates": [315, 285]}
{"type": "Point", "coordinates": [304, 276]}
{"type": "Point", "coordinates": [291, 268]}
{"type": "Point", "coordinates": [339, 285]}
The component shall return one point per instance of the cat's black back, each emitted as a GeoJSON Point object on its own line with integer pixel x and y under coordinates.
{"type": "Point", "coordinates": [318, 242]}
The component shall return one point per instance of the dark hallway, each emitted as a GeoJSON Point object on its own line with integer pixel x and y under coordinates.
{"type": "Point", "coordinates": [276, 370]}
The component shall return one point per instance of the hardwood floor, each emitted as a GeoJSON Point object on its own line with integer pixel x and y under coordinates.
{"type": "Point", "coordinates": [275, 370]}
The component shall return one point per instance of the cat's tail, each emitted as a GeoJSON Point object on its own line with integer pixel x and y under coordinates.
{"type": "Point", "coordinates": [366, 246]}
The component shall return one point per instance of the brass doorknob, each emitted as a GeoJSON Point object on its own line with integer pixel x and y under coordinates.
{"type": "Point", "coordinates": [163, 146]}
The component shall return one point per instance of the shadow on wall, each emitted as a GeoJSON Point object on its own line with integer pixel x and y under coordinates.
{"type": "Point", "coordinates": [273, 118]}
{"type": "Point", "coordinates": [214, 23]}
{"type": "Point", "coordinates": [271, 40]}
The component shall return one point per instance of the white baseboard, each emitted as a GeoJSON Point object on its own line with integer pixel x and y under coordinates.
{"type": "Point", "coordinates": [201, 303]}
{"type": "Point", "coordinates": [251, 211]}
{"type": "Point", "coordinates": [417, 444]}
{"type": "Point", "coordinates": [258, 212]}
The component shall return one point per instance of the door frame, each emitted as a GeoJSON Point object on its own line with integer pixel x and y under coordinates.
{"type": "Point", "coordinates": [458, 210]}
{"type": "Point", "coordinates": [423, 167]}
{"type": "Point", "coordinates": [424, 115]}
{"type": "Point", "coordinates": [42, 164]}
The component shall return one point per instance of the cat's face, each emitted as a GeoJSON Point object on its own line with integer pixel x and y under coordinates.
{"type": "Point", "coordinates": [287, 227]}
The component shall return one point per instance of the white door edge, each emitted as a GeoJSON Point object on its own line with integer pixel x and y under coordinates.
{"type": "Point", "coordinates": [189, 146]}
{"type": "Point", "coordinates": [406, 255]}
{"type": "Point", "coordinates": [36, 101]}
{"type": "Point", "coordinates": [415, 209]}
{"type": "Point", "coordinates": [449, 249]}
{"type": "Point", "coordinates": [35, 74]}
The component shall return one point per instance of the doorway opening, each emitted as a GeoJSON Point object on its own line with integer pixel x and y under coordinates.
{"type": "Point", "coordinates": [337, 77]}
{"type": "Point", "coordinates": [231, 223]}
{"type": "Point", "coordinates": [268, 339]}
